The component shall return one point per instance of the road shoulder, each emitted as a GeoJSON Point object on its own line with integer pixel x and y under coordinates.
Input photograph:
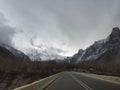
{"type": "Point", "coordinates": [112, 79]}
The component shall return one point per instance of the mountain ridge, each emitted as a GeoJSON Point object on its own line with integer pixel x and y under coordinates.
{"type": "Point", "coordinates": [14, 52]}
{"type": "Point", "coordinates": [108, 48]}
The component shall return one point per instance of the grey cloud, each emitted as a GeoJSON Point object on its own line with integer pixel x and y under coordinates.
{"type": "Point", "coordinates": [6, 32]}
{"type": "Point", "coordinates": [77, 23]}
{"type": "Point", "coordinates": [47, 49]}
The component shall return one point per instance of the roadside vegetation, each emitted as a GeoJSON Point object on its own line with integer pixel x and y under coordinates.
{"type": "Point", "coordinates": [15, 73]}
{"type": "Point", "coordinates": [103, 68]}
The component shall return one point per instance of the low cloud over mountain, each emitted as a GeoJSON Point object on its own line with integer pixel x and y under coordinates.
{"type": "Point", "coordinates": [6, 32]}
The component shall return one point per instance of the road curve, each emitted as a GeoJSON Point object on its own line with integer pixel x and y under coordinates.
{"type": "Point", "coordinates": [73, 81]}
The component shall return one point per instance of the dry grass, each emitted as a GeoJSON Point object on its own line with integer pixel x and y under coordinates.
{"type": "Point", "coordinates": [40, 84]}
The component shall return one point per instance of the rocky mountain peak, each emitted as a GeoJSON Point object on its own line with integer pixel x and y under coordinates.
{"type": "Point", "coordinates": [103, 50]}
{"type": "Point", "coordinates": [116, 30]}
{"type": "Point", "coordinates": [115, 35]}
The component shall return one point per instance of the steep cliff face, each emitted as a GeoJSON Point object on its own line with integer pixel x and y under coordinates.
{"type": "Point", "coordinates": [113, 47]}
{"type": "Point", "coordinates": [105, 50]}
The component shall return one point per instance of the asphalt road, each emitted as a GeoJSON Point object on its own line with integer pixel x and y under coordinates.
{"type": "Point", "coordinates": [73, 81]}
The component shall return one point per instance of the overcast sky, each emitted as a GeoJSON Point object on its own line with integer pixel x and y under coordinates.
{"type": "Point", "coordinates": [67, 25]}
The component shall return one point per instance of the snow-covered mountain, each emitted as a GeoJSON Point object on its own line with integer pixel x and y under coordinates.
{"type": "Point", "coordinates": [105, 50]}
{"type": "Point", "coordinates": [36, 53]}
{"type": "Point", "coordinates": [40, 53]}
{"type": "Point", "coordinates": [43, 52]}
